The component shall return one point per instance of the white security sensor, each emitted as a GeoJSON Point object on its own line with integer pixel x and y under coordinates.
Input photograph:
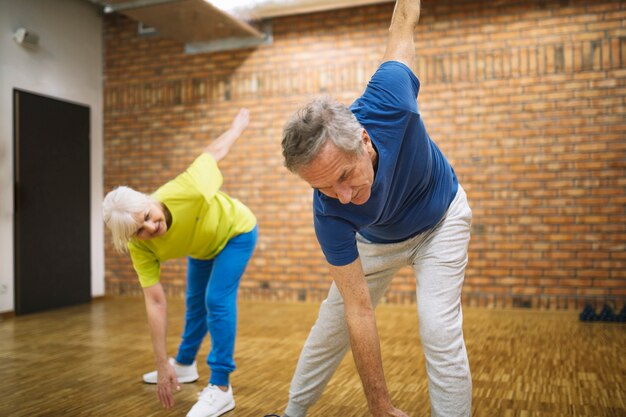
{"type": "Point", "coordinates": [25, 38]}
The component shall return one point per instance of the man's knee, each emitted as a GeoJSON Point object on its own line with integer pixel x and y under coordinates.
{"type": "Point", "coordinates": [440, 332]}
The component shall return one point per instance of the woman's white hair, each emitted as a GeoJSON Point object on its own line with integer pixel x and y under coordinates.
{"type": "Point", "coordinates": [118, 208]}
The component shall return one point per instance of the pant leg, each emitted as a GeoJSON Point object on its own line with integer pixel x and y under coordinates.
{"type": "Point", "coordinates": [329, 340]}
{"type": "Point", "coordinates": [440, 269]}
{"type": "Point", "coordinates": [198, 272]}
{"type": "Point", "coordinates": [221, 304]}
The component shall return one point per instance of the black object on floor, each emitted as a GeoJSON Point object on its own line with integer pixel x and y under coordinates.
{"type": "Point", "coordinates": [606, 314]}
{"type": "Point", "coordinates": [588, 314]}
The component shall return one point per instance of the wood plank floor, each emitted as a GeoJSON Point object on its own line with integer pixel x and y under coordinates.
{"type": "Point", "coordinates": [87, 361]}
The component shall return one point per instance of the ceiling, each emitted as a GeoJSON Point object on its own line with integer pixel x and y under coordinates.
{"type": "Point", "coordinates": [205, 26]}
{"type": "Point", "coordinates": [263, 9]}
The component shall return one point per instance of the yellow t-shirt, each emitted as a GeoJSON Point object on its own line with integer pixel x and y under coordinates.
{"type": "Point", "coordinates": [204, 219]}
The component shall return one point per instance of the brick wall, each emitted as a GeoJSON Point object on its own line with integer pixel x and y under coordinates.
{"type": "Point", "coordinates": [527, 100]}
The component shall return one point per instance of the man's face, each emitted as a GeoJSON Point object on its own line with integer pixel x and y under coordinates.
{"type": "Point", "coordinates": [346, 178]}
{"type": "Point", "coordinates": [151, 223]}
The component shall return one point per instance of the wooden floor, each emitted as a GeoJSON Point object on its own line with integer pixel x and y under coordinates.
{"type": "Point", "coordinates": [88, 360]}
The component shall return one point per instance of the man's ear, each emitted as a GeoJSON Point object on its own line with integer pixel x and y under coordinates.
{"type": "Point", "coordinates": [369, 145]}
{"type": "Point", "coordinates": [365, 137]}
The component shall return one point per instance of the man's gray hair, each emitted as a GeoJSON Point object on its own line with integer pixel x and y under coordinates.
{"type": "Point", "coordinates": [311, 126]}
{"type": "Point", "coordinates": [118, 209]}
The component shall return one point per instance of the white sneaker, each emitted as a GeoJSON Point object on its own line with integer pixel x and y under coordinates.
{"type": "Point", "coordinates": [213, 402]}
{"type": "Point", "coordinates": [184, 373]}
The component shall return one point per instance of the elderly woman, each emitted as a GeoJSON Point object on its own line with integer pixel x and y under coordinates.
{"type": "Point", "coordinates": [189, 216]}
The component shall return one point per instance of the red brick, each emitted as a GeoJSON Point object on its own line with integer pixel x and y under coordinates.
{"type": "Point", "coordinates": [527, 103]}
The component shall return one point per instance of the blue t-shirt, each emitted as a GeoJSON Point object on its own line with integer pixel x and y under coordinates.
{"type": "Point", "coordinates": [413, 185]}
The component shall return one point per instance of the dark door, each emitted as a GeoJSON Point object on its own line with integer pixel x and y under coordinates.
{"type": "Point", "coordinates": [52, 214]}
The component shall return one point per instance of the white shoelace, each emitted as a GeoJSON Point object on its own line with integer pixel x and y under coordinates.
{"type": "Point", "coordinates": [208, 394]}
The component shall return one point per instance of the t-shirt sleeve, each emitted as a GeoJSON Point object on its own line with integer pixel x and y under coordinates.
{"type": "Point", "coordinates": [393, 85]}
{"type": "Point", "coordinates": [337, 238]}
{"type": "Point", "coordinates": [202, 176]}
{"type": "Point", "coordinates": [145, 263]}
{"type": "Point", "coordinates": [205, 175]}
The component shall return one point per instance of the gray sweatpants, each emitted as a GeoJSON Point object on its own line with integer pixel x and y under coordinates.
{"type": "Point", "coordinates": [438, 257]}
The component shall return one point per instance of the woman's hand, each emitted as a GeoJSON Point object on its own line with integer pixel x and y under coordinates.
{"type": "Point", "coordinates": [156, 308]}
{"type": "Point", "coordinates": [166, 384]}
{"type": "Point", "coordinates": [240, 122]}
{"type": "Point", "coordinates": [219, 147]}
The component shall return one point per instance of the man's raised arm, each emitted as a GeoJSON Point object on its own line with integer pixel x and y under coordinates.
{"type": "Point", "coordinates": [400, 44]}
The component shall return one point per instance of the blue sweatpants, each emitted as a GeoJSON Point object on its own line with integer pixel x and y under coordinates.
{"type": "Point", "coordinates": [211, 305]}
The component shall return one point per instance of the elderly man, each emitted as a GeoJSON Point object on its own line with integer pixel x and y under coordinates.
{"type": "Point", "coordinates": [384, 197]}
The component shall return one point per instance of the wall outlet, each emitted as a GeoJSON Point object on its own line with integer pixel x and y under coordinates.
{"type": "Point", "coordinates": [3, 288]}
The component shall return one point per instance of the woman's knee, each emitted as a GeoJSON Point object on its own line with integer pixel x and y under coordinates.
{"type": "Point", "coordinates": [219, 305]}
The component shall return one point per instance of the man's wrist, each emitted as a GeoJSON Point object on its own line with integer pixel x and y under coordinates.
{"type": "Point", "coordinates": [382, 411]}
{"type": "Point", "coordinates": [381, 404]}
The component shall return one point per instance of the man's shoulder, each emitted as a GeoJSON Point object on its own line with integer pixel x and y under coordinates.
{"type": "Point", "coordinates": [395, 71]}
{"type": "Point", "coordinates": [392, 86]}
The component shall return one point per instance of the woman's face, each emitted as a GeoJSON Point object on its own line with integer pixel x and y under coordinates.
{"type": "Point", "coordinates": [150, 223]}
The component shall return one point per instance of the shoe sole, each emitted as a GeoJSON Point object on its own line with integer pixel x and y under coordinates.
{"type": "Point", "coordinates": [227, 409]}
{"type": "Point", "coordinates": [181, 380]}
{"type": "Point", "coordinates": [230, 407]}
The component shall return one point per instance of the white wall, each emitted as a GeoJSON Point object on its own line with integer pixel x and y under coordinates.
{"type": "Point", "coordinates": [67, 64]}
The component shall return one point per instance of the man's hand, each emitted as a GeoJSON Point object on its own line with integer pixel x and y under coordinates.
{"type": "Point", "coordinates": [400, 44]}
{"type": "Point", "coordinates": [390, 411]}
{"type": "Point", "coordinates": [166, 384]}
{"type": "Point", "coordinates": [359, 313]}
{"type": "Point", "coordinates": [396, 413]}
